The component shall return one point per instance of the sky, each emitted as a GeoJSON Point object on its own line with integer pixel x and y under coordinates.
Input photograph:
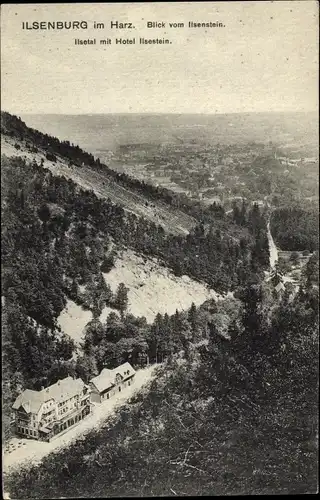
{"type": "Point", "coordinates": [264, 59]}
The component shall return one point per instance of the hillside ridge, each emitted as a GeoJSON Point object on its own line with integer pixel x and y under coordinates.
{"type": "Point", "coordinates": [72, 162]}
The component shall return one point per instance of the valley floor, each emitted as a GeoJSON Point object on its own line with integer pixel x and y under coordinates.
{"type": "Point", "coordinates": [18, 451]}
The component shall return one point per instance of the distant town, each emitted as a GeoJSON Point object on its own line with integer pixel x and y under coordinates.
{"type": "Point", "coordinates": [217, 174]}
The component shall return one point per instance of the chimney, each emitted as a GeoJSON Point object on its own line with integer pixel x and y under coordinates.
{"type": "Point", "coordinates": [42, 387]}
{"type": "Point", "coordinates": [58, 382]}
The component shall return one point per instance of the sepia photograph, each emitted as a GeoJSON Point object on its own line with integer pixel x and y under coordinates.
{"type": "Point", "coordinates": [160, 249]}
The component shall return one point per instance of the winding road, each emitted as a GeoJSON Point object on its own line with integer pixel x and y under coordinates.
{"type": "Point", "coordinates": [273, 259]}
{"type": "Point", "coordinates": [273, 252]}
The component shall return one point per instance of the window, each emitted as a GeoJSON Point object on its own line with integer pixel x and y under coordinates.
{"type": "Point", "coordinates": [27, 432]}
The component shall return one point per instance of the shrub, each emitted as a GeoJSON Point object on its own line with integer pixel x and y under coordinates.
{"type": "Point", "coordinates": [51, 157]}
{"type": "Point", "coordinates": [107, 264]}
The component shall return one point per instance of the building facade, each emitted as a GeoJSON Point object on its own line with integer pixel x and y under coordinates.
{"type": "Point", "coordinates": [44, 414]}
{"type": "Point", "coordinates": [111, 382]}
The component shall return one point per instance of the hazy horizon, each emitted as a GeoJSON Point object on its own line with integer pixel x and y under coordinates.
{"type": "Point", "coordinates": [170, 113]}
{"type": "Point", "coordinates": [107, 131]}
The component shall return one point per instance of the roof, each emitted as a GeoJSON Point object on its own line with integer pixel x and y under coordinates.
{"type": "Point", "coordinates": [103, 381]}
{"type": "Point", "coordinates": [123, 369]}
{"type": "Point", "coordinates": [280, 286]}
{"type": "Point", "coordinates": [29, 400]}
{"type": "Point", "coordinates": [107, 378]}
{"type": "Point", "coordinates": [62, 390]}
{"type": "Point", "coordinates": [45, 430]}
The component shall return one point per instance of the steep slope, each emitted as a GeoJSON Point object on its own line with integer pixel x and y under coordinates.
{"type": "Point", "coordinates": [217, 246]}
{"type": "Point", "coordinates": [57, 238]}
{"type": "Point", "coordinates": [18, 139]}
{"type": "Point", "coordinates": [231, 418]}
{"type": "Point", "coordinates": [153, 288]}
{"type": "Point", "coordinates": [239, 375]}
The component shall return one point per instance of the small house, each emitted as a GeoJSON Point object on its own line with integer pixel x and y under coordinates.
{"type": "Point", "coordinates": [110, 382]}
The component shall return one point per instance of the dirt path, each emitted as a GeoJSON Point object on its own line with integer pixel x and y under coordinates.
{"type": "Point", "coordinates": [272, 249]}
{"type": "Point", "coordinates": [19, 450]}
{"type": "Point", "coordinates": [273, 259]}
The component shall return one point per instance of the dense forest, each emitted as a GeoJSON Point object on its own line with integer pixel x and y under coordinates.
{"type": "Point", "coordinates": [56, 239]}
{"type": "Point", "coordinates": [296, 228]}
{"type": "Point", "coordinates": [202, 426]}
{"type": "Point", "coordinates": [238, 375]}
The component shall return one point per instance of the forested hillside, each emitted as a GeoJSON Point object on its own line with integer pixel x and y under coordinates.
{"type": "Point", "coordinates": [296, 228]}
{"type": "Point", "coordinates": [34, 140]}
{"type": "Point", "coordinates": [238, 375]}
{"type": "Point", "coordinates": [55, 240]}
{"type": "Point", "coordinates": [182, 210]}
{"type": "Point", "coordinates": [56, 245]}
{"type": "Point", "coordinates": [203, 425]}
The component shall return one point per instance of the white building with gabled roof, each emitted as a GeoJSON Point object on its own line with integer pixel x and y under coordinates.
{"type": "Point", "coordinates": [109, 382]}
{"type": "Point", "coordinates": [43, 414]}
